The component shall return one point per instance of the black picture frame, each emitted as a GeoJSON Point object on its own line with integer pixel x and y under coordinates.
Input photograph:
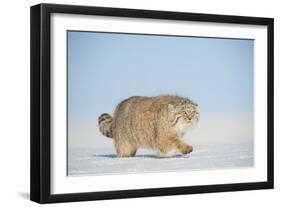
{"type": "Point", "coordinates": [40, 184]}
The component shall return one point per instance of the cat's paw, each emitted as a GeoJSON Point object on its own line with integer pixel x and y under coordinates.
{"type": "Point", "coordinates": [187, 149]}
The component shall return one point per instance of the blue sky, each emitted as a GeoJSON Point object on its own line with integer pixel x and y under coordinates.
{"type": "Point", "coordinates": [105, 68]}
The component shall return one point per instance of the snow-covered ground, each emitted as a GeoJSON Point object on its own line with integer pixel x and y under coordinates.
{"type": "Point", "coordinates": [83, 161]}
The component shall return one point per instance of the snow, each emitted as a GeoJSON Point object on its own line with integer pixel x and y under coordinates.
{"type": "Point", "coordinates": [91, 161]}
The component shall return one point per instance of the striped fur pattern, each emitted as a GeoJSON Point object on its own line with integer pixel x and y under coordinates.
{"type": "Point", "coordinates": [105, 123]}
{"type": "Point", "coordinates": [157, 122]}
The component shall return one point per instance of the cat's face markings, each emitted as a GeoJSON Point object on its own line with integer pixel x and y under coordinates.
{"type": "Point", "coordinates": [189, 112]}
{"type": "Point", "coordinates": [186, 111]}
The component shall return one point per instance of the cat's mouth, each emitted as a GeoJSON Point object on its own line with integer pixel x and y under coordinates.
{"type": "Point", "coordinates": [192, 123]}
{"type": "Point", "coordinates": [193, 120]}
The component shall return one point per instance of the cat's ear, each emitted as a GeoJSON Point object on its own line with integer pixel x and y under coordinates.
{"type": "Point", "coordinates": [171, 108]}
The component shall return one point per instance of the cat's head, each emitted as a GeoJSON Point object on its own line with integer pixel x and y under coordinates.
{"type": "Point", "coordinates": [183, 114]}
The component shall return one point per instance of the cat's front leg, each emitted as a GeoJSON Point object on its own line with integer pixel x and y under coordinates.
{"type": "Point", "coordinates": [171, 145]}
{"type": "Point", "coordinates": [185, 149]}
{"type": "Point", "coordinates": [181, 146]}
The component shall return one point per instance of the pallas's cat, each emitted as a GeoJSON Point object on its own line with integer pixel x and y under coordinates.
{"type": "Point", "coordinates": [157, 122]}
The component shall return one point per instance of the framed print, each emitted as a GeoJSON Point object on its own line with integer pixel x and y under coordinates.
{"type": "Point", "coordinates": [133, 103]}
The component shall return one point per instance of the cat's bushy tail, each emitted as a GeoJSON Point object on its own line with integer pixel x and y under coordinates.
{"type": "Point", "coordinates": [105, 125]}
